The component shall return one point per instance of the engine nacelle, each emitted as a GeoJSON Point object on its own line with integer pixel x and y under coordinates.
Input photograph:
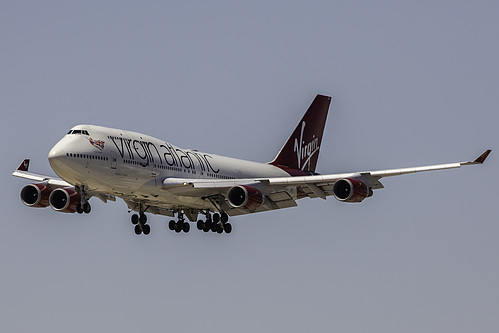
{"type": "Point", "coordinates": [64, 199]}
{"type": "Point", "coordinates": [35, 195]}
{"type": "Point", "coordinates": [243, 196]}
{"type": "Point", "coordinates": [351, 190]}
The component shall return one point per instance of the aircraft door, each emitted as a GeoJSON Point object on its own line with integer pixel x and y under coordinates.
{"type": "Point", "coordinates": [113, 160]}
{"type": "Point", "coordinates": [154, 173]}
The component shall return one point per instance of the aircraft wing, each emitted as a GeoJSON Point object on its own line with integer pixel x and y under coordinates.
{"type": "Point", "coordinates": [371, 178]}
{"type": "Point", "coordinates": [22, 172]}
{"type": "Point", "coordinates": [282, 192]}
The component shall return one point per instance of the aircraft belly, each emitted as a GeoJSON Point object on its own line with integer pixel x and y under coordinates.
{"type": "Point", "coordinates": [168, 201]}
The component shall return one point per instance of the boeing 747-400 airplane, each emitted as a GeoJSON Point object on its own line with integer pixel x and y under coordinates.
{"type": "Point", "coordinates": [154, 176]}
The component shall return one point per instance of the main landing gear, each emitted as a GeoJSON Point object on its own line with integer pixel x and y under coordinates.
{"type": "Point", "coordinates": [140, 222]}
{"type": "Point", "coordinates": [218, 224]}
{"type": "Point", "coordinates": [180, 225]}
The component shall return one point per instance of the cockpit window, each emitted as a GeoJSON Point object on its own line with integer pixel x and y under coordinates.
{"type": "Point", "coordinates": [78, 132]}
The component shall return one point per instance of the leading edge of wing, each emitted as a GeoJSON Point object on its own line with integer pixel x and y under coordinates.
{"type": "Point", "coordinates": [22, 172]}
{"type": "Point", "coordinates": [404, 171]}
{"type": "Point", "coordinates": [372, 177]}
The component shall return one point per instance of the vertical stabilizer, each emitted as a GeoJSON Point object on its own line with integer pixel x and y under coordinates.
{"type": "Point", "coordinates": [301, 151]}
{"type": "Point", "coordinates": [24, 166]}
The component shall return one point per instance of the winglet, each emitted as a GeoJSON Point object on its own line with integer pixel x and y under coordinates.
{"type": "Point", "coordinates": [24, 165]}
{"type": "Point", "coordinates": [479, 160]}
{"type": "Point", "coordinates": [482, 157]}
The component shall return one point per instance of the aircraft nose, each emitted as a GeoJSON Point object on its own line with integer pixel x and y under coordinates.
{"type": "Point", "coordinates": [56, 155]}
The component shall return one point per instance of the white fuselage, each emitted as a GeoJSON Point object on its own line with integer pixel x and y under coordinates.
{"type": "Point", "coordinates": [133, 165]}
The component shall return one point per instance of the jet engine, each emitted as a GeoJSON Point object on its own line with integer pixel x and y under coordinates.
{"type": "Point", "coordinates": [244, 196]}
{"type": "Point", "coordinates": [351, 190]}
{"type": "Point", "coordinates": [35, 195]}
{"type": "Point", "coordinates": [64, 199]}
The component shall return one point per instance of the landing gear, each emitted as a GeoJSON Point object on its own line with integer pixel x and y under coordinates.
{"type": "Point", "coordinates": [218, 224]}
{"type": "Point", "coordinates": [139, 228]}
{"type": "Point", "coordinates": [140, 222]}
{"type": "Point", "coordinates": [180, 225]}
{"type": "Point", "coordinates": [85, 208]}
{"type": "Point", "coordinates": [141, 219]}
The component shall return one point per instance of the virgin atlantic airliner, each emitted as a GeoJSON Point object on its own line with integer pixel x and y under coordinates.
{"type": "Point", "coordinates": [154, 176]}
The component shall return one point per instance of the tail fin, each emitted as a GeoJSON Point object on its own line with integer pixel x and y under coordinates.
{"type": "Point", "coordinates": [24, 165]}
{"type": "Point", "coordinates": [301, 151]}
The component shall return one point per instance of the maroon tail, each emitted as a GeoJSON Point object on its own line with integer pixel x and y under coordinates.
{"type": "Point", "coordinates": [301, 151]}
{"type": "Point", "coordinates": [24, 165]}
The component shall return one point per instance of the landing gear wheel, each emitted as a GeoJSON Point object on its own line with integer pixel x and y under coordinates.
{"type": "Point", "coordinates": [216, 217]}
{"type": "Point", "coordinates": [171, 225]}
{"type": "Point", "coordinates": [213, 227]}
{"type": "Point", "coordinates": [135, 219]}
{"type": "Point", "coordinates": [219, 229]}
{"type": "Point", "coordinates": [178, 227]}
{"type": "Point", "coordinates": [143, 218]}
{"type": "Point", "coordinates": [228, 228]}
{"type": "Point", "coordinates": [138, 229]}
{"type": "Point", "coordinates": [224, 218]}
{"type": "Point", "coordinates": [79, 209]}
{"type": "Point", "coordinates": [86, 208]}
{"type": "Point", "coordinates": [200, 225]}
{"type": "Point", "coordinates": [146, 229]}
{"type": "Point", "coordinates": [207, 227]}
{"type": "Point", "coordinates": [186, 227]}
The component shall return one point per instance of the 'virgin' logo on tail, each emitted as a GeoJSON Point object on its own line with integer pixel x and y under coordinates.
{"type": "Point", "coordinates": [304, 152]}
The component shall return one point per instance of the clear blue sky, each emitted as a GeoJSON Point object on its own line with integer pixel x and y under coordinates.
{"type": "Point", "coordinates": [413, 82]}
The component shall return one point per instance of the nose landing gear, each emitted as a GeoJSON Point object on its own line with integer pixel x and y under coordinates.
{"type": "Point", "coordinates": [83, 206]}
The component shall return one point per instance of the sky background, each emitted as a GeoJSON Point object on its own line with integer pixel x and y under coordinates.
{"type": "Point", "coordinates": [413, 83]}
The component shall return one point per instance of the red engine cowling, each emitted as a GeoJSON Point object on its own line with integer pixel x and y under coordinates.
{"type": "Point", "coordinates": [351, 190]}
{"type": "Point", "coordinates": [244, 196]}
{"type": "Point", "coordinates": [64, 199]}
{"type": "Point", "coordinates": [35, 195]}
